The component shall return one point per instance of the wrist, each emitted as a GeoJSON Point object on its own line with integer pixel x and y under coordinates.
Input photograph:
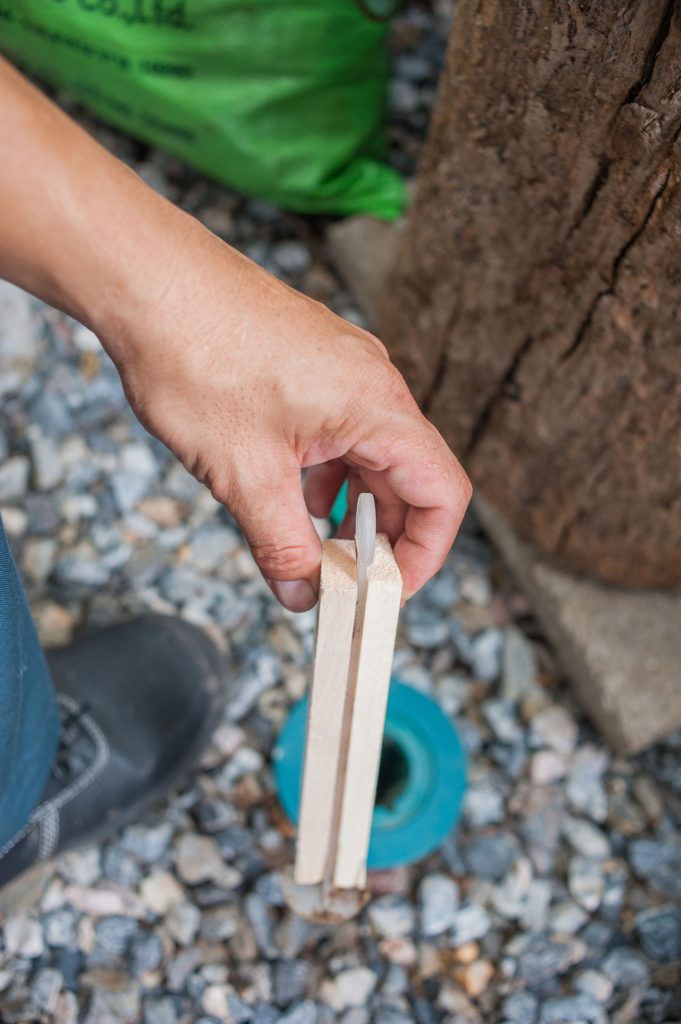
{"type": "Point", "coordinates": [155, 278]}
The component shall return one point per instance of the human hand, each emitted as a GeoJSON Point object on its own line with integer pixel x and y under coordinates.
{"type": "Point", "coordinates": [248, 382]}
{"type": "Point", "coordinates": [245, 380]}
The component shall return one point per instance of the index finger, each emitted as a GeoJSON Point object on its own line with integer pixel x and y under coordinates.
{"type": "Point", "coordinates": [437, 492]}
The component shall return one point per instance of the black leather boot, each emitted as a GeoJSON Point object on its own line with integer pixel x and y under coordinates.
{"type": "Point", "coordinates": [138, 702]}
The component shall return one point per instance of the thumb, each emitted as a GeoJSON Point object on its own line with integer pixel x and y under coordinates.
{"type": "Point", "coordinates": [271, 511]}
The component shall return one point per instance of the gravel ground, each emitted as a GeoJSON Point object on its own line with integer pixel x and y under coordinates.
{"type": "Point", "coordinates": [556, 900]}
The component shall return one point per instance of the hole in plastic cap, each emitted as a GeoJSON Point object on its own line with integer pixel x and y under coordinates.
{"type": "Point", "coordinates": [393, 774]}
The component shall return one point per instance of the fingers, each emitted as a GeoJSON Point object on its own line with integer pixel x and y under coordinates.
{"type": "Point", "coordinates": [322, 485]}
{"type": "Point", "coordinates": [437, 493]}
{"type": "Point", "coordinates": [271, 511]}
{"type": "Point", "coordinates": [390, 509]}
{"type": "Point", "coordinates": [421, 490]}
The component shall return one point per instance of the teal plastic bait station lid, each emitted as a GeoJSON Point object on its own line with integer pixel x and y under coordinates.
{"type": "Point", "coordinates": [421, 782]}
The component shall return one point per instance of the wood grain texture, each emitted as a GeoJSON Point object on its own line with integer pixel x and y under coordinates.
{"type": "Point", "coordinates": [376, 644]}
{"type": "Point", "coordinates": [337, 605]}
{"type": "Point", "coordinates": [536, 307]}
{"type": "Point", "coordinates": [351, 679]}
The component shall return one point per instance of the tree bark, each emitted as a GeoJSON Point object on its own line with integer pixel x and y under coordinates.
{"type": "Point", "coordinates": [536, 306]}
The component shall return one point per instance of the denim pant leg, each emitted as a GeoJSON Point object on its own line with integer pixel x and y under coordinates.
{"type": "Point", "coordinates": [29, 716]}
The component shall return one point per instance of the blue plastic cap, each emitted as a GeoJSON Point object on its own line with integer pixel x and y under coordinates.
{"type": "Point", "coordinates": [421, 784]}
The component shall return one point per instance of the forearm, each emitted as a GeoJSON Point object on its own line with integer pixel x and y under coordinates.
{"type": "Point", "coordinates": [78, 228]}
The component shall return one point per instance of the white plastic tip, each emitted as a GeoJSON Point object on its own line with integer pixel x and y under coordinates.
{"type": "Point", "coordinates": [365, 529]}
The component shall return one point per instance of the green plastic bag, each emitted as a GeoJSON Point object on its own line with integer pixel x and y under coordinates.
{"type": "Point", "coordinates": [280, 99]}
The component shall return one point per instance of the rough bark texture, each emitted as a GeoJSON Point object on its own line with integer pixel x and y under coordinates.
{"type": "Point", "coordinates": [536, 308]}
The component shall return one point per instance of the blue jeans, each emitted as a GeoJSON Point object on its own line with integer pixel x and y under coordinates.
{"type": "Point", "coordinates": [29, 716]}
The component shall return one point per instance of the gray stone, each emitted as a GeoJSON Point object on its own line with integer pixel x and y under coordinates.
{"type": "Point", "coordinates": [128, 489]}
{"type": "Point", "coordinates": [404, 97]}
{"type": "Point", "coordinates": [290, 980]}
{"type": "Point", "coordinates": [609, 641]}
{"type": "Point", "coordinates": [585, 790]}
{"type": "Point", "coordinates": [428, 633]}
{"type": "Point", "coordinates": [49, 412]}
{"type": "Point", "coordinates": [658, 862]}
{"type": "Point", "coordinates": [659, 931]}
{"type": "Point", "coordinates": [199, 860]}
{"type": "Point", "coordinates": [413, 67]}
{"type": "Point", "coordinates": [519, 665]}
{"type": "Point", "coordinates": [160, 1011]}
{"type": "Point", "coordinates": [535, 913]}
{"type": "Point", "coordinates": [39, 557]}
{"type": "Point", "coordinates": [452, 693]}
{"type": "Point", "coordinates": [566, 918]}
{"type": "Point", "coordinates": [147, 843]}
{"type": "Point", "coordinates": [291, 257]}
{"type": "Point", "coordinates": [211, 545]}
{"type": "Point", "coordinates": [471, 924]}
{"type": "Point", "coordinates": [510, 897]}
{"type": "Point", "coordinates": [119, 1004]}
{"type": "Point", "coordinates": [67, 1009]}
{"type": "Point", "coordinates": [392, 916]}
{"type": "Point", "coordinates": [521, 1008]}
{"type": "Point", "coordinates": [121, 866]}
{"type": "Point", "coordinates": [586, 882]}
{"type": "Point", "coordinates": [258, 916]}
{"type": "Point", "coordinates": [74, 509]}
{"type": "Point", "coordinates": [146, 952]}
{"type": "Point", "coordinates": [220, 923]}
{"type": "Point", "coordinates": [59, 927]}
{"type": "Point", "coordinates": [442, 591]}
{"type": "Point", "coordinates": [483, 805]}
{"type": "Point", "coordinates": [81, 866]}
{"type": "Point", "coordinates": [396, 982]}
{"type": "Point", "coordinates": [46, 985]}
{"type": "Point", "coordinates": [19, 345]}
{"type": "Point", "coordinates": [387, 1014]}
{"type": "Point", "coordinates": [303, 1013]}
{"type": "Point", "coordinates": [247, 690]}
{"type": "Point", "coordinates": [586, 838]}
{"type": "Point", "coordinates": [23, 937]}
{"type": "Point", "coordinates": [14, 475]}
{"type": "Point", "coordinates": [356, 1015]}
{"type": "Point", "coordinates": [240, 1012]}
{"type": "Point", "coordinates": [269, 887]}
{"type": "Point", "coordinates": [112, 937]}
{"type": "Point", "coordinates": [486, 649]}
{"type": "Point", "coordinates": [626, 968]}
{"type": "Point", "coordinates": [568, 1009]}
{"type": "Point", "coordinates": [351, 987]}
{"type": "Point", "coordinates": [462, 642]}
{"type": "Point", "coordinates": [264, 1014]}
{"type": "Point", "coordinates": [554, 727]}
{"type": "Point", "coordinates": [182, 922]}
{"type": "Point", "coordinates": [439, 903]}
{"type": "Point", "coordinates": [180, 968]}
{"type": "Point", "coordinates": [595, 984]}
{"type": "Point", "coordinates": [76, 571]}
{"type": "Point", "coordinates": [45, 460]}
{"type": "Point", "coordinates": [293, 936]}
{"type": "Point", "coordinates": [490, 857]}
{"type": "Point", "coordinates": [501, 718]}
{"type": "Point", "coordinates": [543, 959]}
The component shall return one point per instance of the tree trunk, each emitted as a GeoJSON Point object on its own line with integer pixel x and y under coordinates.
{"type": "Point", "coordinates": [536, 308]}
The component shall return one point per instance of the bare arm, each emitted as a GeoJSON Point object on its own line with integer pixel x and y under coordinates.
{"type": "Point", "coordinates": [246, 380]}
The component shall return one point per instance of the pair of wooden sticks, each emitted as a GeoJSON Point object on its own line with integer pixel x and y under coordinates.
{"type": "Point", "coordinates": [358, 610]}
